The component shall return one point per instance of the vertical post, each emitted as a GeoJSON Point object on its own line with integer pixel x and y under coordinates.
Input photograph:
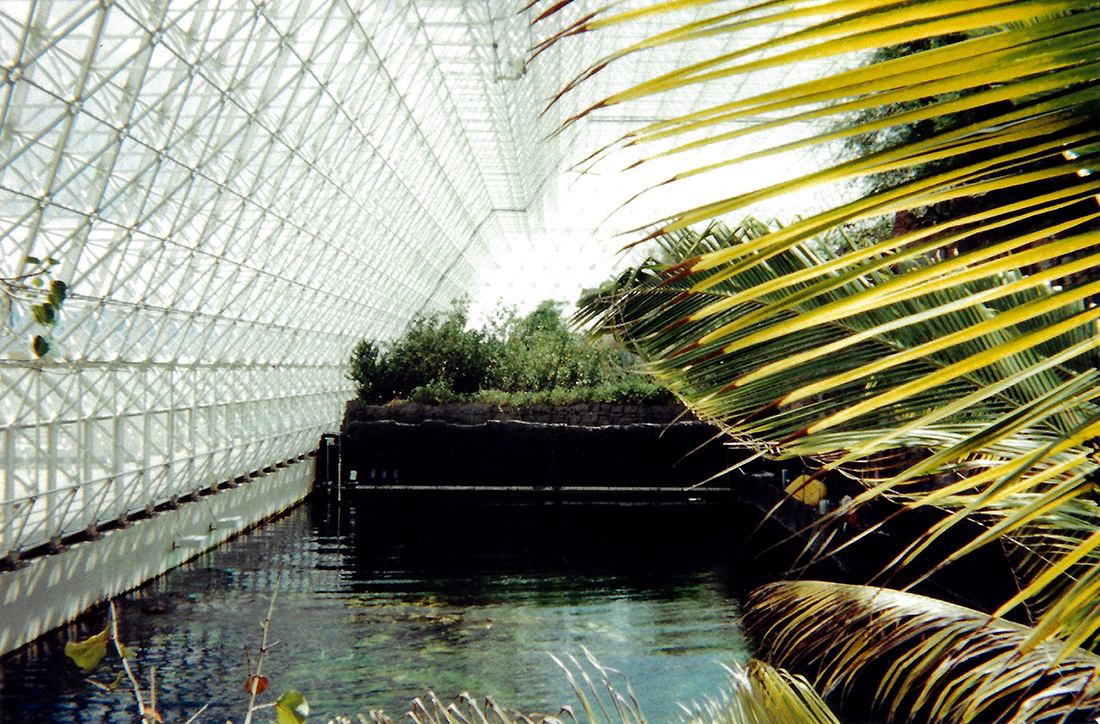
{"type": "Point", "coordinates": [118, 499]}
{"type": "Point", "coordinates": [54, 511]}
{"type": "Point", "coordinates": [171, 488]}
{"type": "Point", "coordinates": [90, 503]}
{"type": "Point", "coordinates": [7, 518]}
{"type": "Point", "coordinates": [146, 452]}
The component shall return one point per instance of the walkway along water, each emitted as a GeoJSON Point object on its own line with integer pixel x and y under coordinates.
{"type": "Point", "coordinates": [56, 584]}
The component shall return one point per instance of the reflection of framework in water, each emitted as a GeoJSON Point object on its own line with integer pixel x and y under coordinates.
{"type": "Point", "coordinates": [50, 589]}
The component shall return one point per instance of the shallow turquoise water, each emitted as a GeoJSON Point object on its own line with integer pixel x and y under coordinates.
{"type": "Point", "coordinates": [382, 602]}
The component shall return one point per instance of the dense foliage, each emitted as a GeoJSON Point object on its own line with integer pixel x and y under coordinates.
{"type": "Point", "coordinates": [535, 358]}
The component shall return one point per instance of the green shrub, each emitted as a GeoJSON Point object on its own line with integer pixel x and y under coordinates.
{"type": "Point", "coordinates": [534, 359]}
{"type": "Point", "coordinates": [637, 390]}
{"type": "Point", "coordinates": [365, 371]}
{"type": "Point", "coordinates": [539, 352]}
{"type": "Point", "coordinates": [436, 392]}
{"type": "Point", "coordinates": [499, 398]}
{"type": "Point", "coordinates": [436, 351]}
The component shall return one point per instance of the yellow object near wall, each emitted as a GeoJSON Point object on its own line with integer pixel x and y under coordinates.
{"type": "Point", "coordinates": [809, 491]}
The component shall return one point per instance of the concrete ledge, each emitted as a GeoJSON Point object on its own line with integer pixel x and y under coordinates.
{"type": "Point", "coordinates": [49, 591]}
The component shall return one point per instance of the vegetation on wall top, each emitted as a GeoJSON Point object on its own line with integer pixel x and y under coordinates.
{"type": "Point", "coordinates": [519, 360]}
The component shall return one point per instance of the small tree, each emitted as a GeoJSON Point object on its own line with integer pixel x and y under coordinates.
{"type": "Point", "coordinates": [438, 351]}
{"type": "Point", "coordinates": [365, 370]}
{"type": "Point", "coordinates": [540, 352]}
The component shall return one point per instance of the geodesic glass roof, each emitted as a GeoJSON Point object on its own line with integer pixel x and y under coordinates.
{"type": "Point", "coordinates": [236, 191]}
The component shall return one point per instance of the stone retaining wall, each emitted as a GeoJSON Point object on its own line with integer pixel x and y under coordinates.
{"type": "Point", "coordinates": [514, 452]}
{"type": "Point", "coordinates": [582, 415]}
{"type": "Point", "coordinates": [545, 445]}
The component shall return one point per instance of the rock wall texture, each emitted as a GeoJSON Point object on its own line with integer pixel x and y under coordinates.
{"type": "Point", "coordinates": [589, 445]}
{"type": "Point", "coordinates": [583, 415]}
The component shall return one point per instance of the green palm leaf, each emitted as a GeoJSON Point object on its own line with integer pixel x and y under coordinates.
{"type": "Point", "coordinates": [934, 661]}
{"type": "Point", "coordinates": [951, 310]}
{"type": "Point", "coordinates": [1029, 67]}
{"type": "Point", "coordinates": [760, 694]}
{"type": "Point", "coordinates": [963, 371]}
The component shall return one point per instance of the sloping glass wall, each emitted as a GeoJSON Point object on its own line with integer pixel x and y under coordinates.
{"type": "Point", "coordinates": [234, 193]}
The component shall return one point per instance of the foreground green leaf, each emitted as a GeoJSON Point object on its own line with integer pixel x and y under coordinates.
{"type": "Point", "coordinates": [58, 293]}
{"type": "Point", "coordinates": [40, 346]}
{"type": "Point", "coordinates": [44, 314]}
{"type": "Point", "coordinates": [88, 653]}
{"type": "Point", "coordinates": [291, 708]}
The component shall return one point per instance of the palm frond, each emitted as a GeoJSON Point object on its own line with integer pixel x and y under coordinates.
{"type": "Point", "coordinates": [934, 661]}
{"type": "Point", "coordinates": [1023, 78]}
{"type": "Point", "coordinates": [756, 693]}
{"type": "Point", "coordinates": [621, 698]}
{"type": "Point", "coordinates": [430, 709]}
{"type": "Point", "coordinates": [844, 362]}
{"type": "Point", "coordinates": [795, 346]}
{"type": "Point", "coordinates": [953, 309]}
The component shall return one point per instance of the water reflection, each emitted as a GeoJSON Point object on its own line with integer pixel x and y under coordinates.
{"type": "Point", "coordinates": [381, 602]}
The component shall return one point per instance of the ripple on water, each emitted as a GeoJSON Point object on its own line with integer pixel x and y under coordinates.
{"type": "Point", "coordinates": [380, 604]}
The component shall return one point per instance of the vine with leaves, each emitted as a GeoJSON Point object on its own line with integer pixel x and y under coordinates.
{"type": "Point", "coordinates": [30, 287]}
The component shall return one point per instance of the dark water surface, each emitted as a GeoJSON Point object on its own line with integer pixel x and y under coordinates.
{"type": "Point", "coordinates": [383, 601]}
